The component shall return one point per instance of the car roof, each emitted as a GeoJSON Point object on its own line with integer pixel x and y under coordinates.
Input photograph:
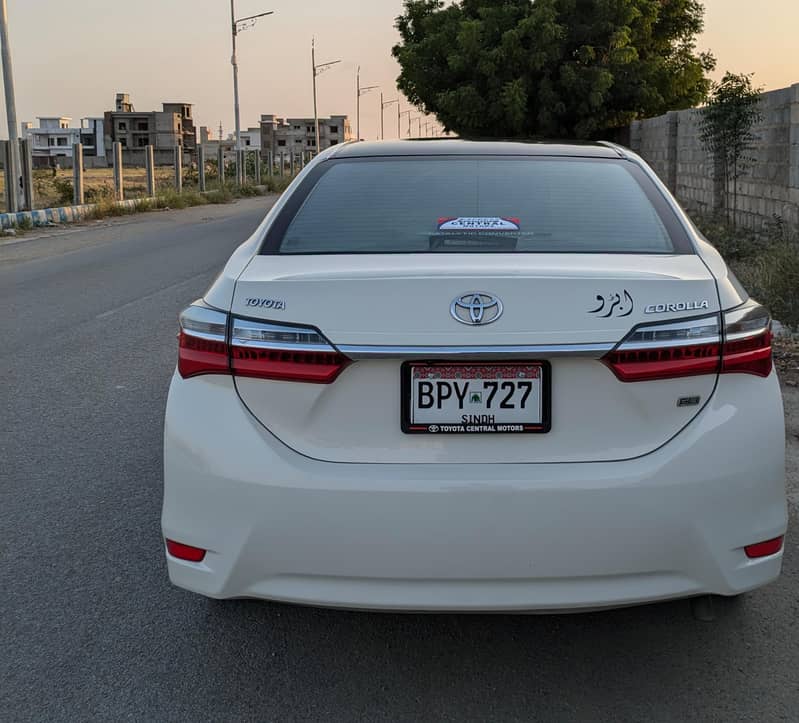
{"type": "Point", "coordinates": [462, 147]}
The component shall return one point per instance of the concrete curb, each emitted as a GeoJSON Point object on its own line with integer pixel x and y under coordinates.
{"type": "Point", "coordinates": [71, 214]}
{"type": "Point", "coordinates": [61, 214]}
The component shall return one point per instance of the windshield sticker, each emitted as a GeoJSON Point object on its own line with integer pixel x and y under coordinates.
{"type": "Point", "coordinates": [478, 223]}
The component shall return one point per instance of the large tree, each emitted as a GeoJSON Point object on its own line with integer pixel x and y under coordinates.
{"type": "Point", "coordinates": [551, 68]}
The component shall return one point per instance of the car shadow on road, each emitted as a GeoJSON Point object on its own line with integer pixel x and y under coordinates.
{"type": "Point", "coordinates": [632, 663]}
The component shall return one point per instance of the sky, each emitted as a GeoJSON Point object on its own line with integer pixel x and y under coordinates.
{"type": "Point", "coordinates": [72, 58]}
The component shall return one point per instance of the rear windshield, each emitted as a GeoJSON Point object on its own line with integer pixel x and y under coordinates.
{"type": "Point", "coordinates": [457, 205]}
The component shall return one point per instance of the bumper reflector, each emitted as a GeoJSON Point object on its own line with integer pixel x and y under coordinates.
{"type": "Point", "coordinates": [185, 552]}
{"type": "Point", "coordinates": [764, 549]}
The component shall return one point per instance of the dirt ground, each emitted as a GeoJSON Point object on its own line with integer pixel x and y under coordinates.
{"type": "Point", "coordinates": [786, 355]}
{"type": "Point", "coordinates": [100, 180]}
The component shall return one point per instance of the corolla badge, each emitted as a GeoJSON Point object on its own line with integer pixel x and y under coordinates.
{"type": "Point", "coordinates": [476, 308]}
{"type": "Point", "coordinates": [615, 304]}
{"type": "Point", "coordinates": [699, 305]}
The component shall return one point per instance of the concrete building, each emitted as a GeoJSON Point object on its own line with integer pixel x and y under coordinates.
{"type": "Point", "coordinates": [250, 139]}
{"type": "Point", "coordinates": [51, 142]}
{"type": "Point", "coordinates": [184, 110]}
{"type": "Point", "coordinates": [161, 129]}
{"type": "Point", "coordinates": [285, 135]}
{"type": "Point", "coordinates": [205, 136]}
{"type": "Point", "coordinates": [92, 136]}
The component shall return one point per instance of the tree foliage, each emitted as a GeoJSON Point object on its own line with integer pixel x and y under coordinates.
{"type": "Point", "coordinates": [552, 68]}
{"type": "Point", "coordinates": [726, 131]}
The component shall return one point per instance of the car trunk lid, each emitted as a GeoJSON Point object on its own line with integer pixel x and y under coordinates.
{"type": "Point", "coordinates": [562, 309]}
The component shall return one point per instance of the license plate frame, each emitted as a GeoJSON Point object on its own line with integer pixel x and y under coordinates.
{"type": "Point", "coordinates": [406, 398]}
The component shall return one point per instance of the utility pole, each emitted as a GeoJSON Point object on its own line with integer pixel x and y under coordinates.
{"type": "Point", "coordinates": [361, 91]}
{"type": "Point", "coordinates": [317, 70]}
{"type": "Point", "coordinates": [236, 27]}
{"type": "Point", "coordinates": [12, 173]}
{"type": "Point", "coordinates": [383, 106]}
{"type": "Point", "coordinates": [315, 111]}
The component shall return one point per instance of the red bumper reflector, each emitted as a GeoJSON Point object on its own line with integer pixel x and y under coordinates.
{"type": "Point", "coordinates": [185, 552]}
{"type": "Point", "coordinates": [764, 549]}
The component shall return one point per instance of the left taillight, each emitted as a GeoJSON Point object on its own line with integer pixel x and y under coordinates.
{"type": "Point", "coordinates": [256, 349]}
{"type": "Point", "coordinates": [202, 347]}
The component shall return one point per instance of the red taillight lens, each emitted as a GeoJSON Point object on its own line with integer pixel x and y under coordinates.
{"type": "Point", "coordinates": [749, 356]}
{"type": "Point", "coordinates": [673, 349]}
{"type": "Point", "coordinates": [201, 342]}
{"type": "Point", "coordinates": [286, 365]}
{"type": "Point", "coordinates": [185, 552]}
{"type": "Point", "coordinates": [747, 342]}
{"type": "Point", "coordinates": [201, 356]}
{"type": "Point", "coordinates": [764, 549]}
{"type": "Point", "coordinates": [259, 349]}
{"type": "Point", "coordinates": [285, 353]}
{"type": "Point", "coordinates": [639, 365]}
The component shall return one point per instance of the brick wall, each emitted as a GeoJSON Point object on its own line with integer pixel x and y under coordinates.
{"type": "Point", "coordinates": [671, 145]}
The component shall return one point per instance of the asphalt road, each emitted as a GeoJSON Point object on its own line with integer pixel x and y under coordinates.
{"type": "Point", "coordinates": [90, 628]}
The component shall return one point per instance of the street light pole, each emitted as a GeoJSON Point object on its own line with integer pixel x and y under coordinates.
{"type": "Point", "coordinates": [317, 70]}
{"type": "Point", "coordinates": [12, 173]}
{"type": "Point", "coordinates": [235, 64]}
{"type": "Point", "coordinates": [360, 92]}
{"type": "Point", "coordinates": [383, 106]}
{"type": "Point", "coordinates": [315, 112]}
{"type": "Point", "coordinates": [237, 26]}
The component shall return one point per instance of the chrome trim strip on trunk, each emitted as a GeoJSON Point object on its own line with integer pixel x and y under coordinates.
{"type": "Point", "coordinates": [357, 351]}
{"type": "Point", "coordinates": [281, 346]}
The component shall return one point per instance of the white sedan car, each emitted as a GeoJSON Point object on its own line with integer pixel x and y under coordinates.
{"type": "Point", "coordinates": [453, 375]}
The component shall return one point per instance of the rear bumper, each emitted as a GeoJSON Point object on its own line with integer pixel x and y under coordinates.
{"type": "Point", "coordinates": [280, 526]}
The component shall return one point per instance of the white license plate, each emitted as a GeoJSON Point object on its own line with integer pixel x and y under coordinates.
{"type": "Point", "coordinates": [465, 397]}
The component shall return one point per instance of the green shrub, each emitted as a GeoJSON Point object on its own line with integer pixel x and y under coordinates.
{"type": "Point", "coordinates": [219, 195]}
{"type": "Point", "coordinates": [246, 191]}
{"type": "Point", "coordinates": [107, 206]}
{"type": "Point", "coordinates": [766, 264]}
{"type": "Point", "coordinates": [65, 191]}
{"type": "Point", "coordinates": [170, 198]}
{"type": "Point", "coordinates": [773, 279]}
{"type": "Point", "coordinates": [96, 194]}
{"type": "Point", "coordinates": [277, 184]}
{"type": "Point", "coordinates": [734, 244]}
